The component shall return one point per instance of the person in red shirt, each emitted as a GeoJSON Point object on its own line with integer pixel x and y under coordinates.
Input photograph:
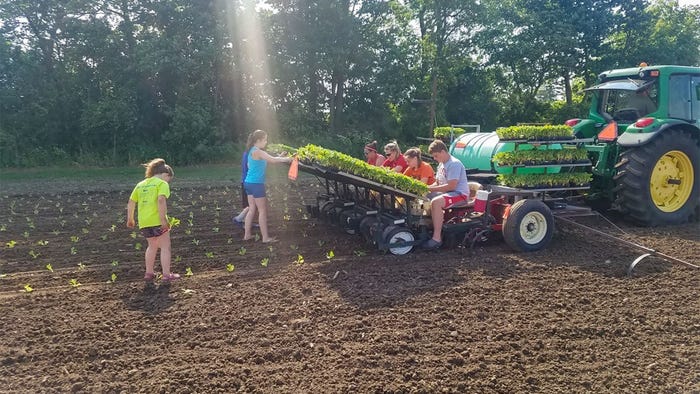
{"type": "Point", "coordinates": [394, 158]}
{"type": "Point", "coordinates": [417, 168]}
{"type": "Point", "coordinates": [373, 157]}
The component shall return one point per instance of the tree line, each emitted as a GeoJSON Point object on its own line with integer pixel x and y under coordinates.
{"type": "Point", "coordinates": [114, 82]}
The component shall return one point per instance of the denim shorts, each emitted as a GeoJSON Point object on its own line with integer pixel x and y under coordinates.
{"type": "Point", "coordinates": [150, 232]}
{"type": "Point", "coordinates": [257, 190]}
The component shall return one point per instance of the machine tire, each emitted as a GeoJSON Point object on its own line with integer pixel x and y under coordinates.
{"type": "Point", "coordinates": [644, 193]}
{"type": "Point", "coordinates": [529, 226]}
{"type": "Point", "coordinates": [365, 228]}
{"type": "Point", "coordinates": [397, 234]}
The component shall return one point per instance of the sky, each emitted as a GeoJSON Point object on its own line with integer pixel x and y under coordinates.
{"type": "Point", "coordinates": [689, 2]}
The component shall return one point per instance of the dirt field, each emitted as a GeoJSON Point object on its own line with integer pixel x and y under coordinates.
{"type": "Point", "coordinates": [289, 319]}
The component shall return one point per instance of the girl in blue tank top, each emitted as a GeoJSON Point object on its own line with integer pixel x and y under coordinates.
{"type": "Point", "coordinates": [254, 184]}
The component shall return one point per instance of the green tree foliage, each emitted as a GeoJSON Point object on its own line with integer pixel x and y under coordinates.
{"type": "Point", "coordinates": [115, 82]}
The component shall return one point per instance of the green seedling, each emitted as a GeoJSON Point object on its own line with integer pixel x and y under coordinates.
{"type": "Point", "coordinates": [294, 247]}
{"type": "Point", "coordinates": [74, 283]}
{"type": "Point", "coordinates": [242, 251]}
{"type": "Point", "coordinates": [257, 237]}
{"type": "Point", "coordinates": [230, 267]}
{"type": "Point", "coordinates": [188, 271]}
{"type": "Point", "coordinates": [28, 288]}
{"type": "Point", "coordinates": [81, 266]}
{"type": "Point", "coordinates": [287, 218]}
{"type": "Point", "coordinates": [115, 263]}
{"type": "Point", "coordinates": [270, 248]}
{"type": "Point", "coordinates": [300, 259]}
{"type": "Point", "coordinates": [178, 258]}
{"type": "Point", "coordinates": [3, 227]}
{"type": "Point", "coordinates": [112, 227]}
{"type": "Point", "coordinates": [85, 231]}
{"type": "Point", "coordinates": [33, 254]}
{"type": "Point", "coordinates": [359, 253]}
{"type": "Point", "coordinates": [188, 231]}
{"type": "Point", "coordinates": [209, 255]}
{"type": "Point", "coordinates": [103, 237]}
{"type": "Point", "coordinates": [49, 267]}
{"type": "Point", "coordinates": [42, 243]}
{"type": "Point", "coordinates": [215, 229]}
{"type": "Point", "coordinates": [73, 250]}
{"type": "Point", "coordinates": [62, 223]}
{"type": "Point", "coordinates": [133, 234]}
{"type": "Point", "coordinates": [321, 242]}
{"type": "Point", "coordinates": [138, 246]}
{"type": "Point", "coordinates": [74, 238]}
{"type": "Point", "coordinates": [330, 255]}
{"type": "Point", "coordinates": [264, 262]}
{"type": "Point", "coordinates": [229, 241]}
{"type": "Point", "coordinates": [113, 277]}
{"type": "Point", "coordinates": [55, 232]}
{"type": "Point", "coordinates": [11, 244]}
{"type": "Point", "coordinates": [25, 234]}
{"type": "Point", "coordinates": [187, 291]}
{"type": "Point", "coordinates": [173, 221]}
{"type": "Point", "coordinates": [3, 276]}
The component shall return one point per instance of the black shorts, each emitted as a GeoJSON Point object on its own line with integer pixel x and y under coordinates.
{"type": "Point", "coordinates": [150, 232]}
{"type": "Point", "coordinates": [244, 197]}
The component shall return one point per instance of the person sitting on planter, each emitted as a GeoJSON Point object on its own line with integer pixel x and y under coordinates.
{"type": "Point", "coordinates": [417, 168]}
{"type": "Point", "coordinates": [394, 158]}
{"type": "Point", "coordinates": [450, 188]}
{"type": "Point", "coordinates": [372, 156]}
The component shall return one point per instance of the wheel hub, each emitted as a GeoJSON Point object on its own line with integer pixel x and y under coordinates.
{"type": "Point", "coordinates": [671, 181]}
{"type": "Point", "coordinates": [533, 228]}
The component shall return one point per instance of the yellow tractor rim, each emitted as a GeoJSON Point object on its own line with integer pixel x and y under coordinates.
{"type": "Point", "coordinates": [672, 181]}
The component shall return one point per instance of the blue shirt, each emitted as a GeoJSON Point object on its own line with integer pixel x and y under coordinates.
{"type": "Point", "coordinates": [450, 170]}
{"type": "Point", "coordinates": [256, 169]}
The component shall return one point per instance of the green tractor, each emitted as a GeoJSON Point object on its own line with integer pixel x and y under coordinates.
{"type": "Point", "coordinates": [645, 123]}
{"type": "Point", "coordinates": [642, 135]}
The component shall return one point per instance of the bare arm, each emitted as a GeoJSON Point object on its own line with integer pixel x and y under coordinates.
{"type": "Point", "coordinates": [130, 208]}
{"type": "Point", "coordinates": [261, 154]}
{"type": "Point", "coordinates": [163, 212]}
{"type": "Point", "coordinates": [451, 185]}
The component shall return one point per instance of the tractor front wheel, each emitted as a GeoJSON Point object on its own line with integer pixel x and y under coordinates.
{"type": "Point", "coordinates": [529, 226]}
{"type": "Point", "coordinates": [657, 183]}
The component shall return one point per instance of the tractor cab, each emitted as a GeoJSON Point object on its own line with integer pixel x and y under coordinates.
{"type": "Point", "coordinates": [626, 100]}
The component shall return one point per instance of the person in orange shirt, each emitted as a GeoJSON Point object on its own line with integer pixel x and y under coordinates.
{"type": "Point", "coordinates": [417, 168]}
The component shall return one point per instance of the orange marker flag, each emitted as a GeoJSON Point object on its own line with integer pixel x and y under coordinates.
{"type": "Point", "coordinates": [293, 169]}
{"type": "Point", "coordinates": [609, 132]}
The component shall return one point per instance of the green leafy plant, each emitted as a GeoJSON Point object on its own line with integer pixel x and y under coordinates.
{"type": "Point", "coordinates": [49, 267]}
{"type": "Point", "coordinates": [209, 255]}
{"type": "Point", "coordinates": [242, 251]}
{"type": "Point", "coordinates": [316, 155]}
{"type": "Point", "coordinates": [11, 244]}
{"type": "Point", "coordinates": [264, 261]}
{"type": "Point", "coordinates": [28, 288]}
{"type": "Point", "coordinates": [299, 260]}
{"type": "Point", "coordinates": [188, 271]}
{"type": "Point", "coordinates": [330, 255]}
{"type": "Point", "coordinates": [138, 246]}
{"type": "Point", "coordinates": [113, 277]}
{"type": "Point", "coordinates": [74, 283]}
{"type": "Point", "coordinates": [74, 238]}
{"type": "Point", "coordinates": [81, 266]}
{"type": "Point", "coordinates": [444, 132]}
{"type": "Point", "coordinates": [535, 133]}
{"type": "Point", "coordinates": [73, 250]}
{"type": "Point", "coordinates": [230, 267]}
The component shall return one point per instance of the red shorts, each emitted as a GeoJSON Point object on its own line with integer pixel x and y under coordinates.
{"type": "Point", "coordinates": [452, 200]}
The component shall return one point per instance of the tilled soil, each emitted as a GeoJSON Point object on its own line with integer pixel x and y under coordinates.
{"type": "Point", "coordinates": [292, 317]}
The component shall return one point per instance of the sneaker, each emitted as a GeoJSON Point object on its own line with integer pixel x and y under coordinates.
{"type": "Point", "coordinates": [431, 244]}
{"type": "Point", "coordinates": [170, 278]}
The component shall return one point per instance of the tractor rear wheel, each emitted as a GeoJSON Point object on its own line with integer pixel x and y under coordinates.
{"type": "Point", "coordinates": [397, 234]}
{"type": "Point", "coordinates": [657, 183]}
{"type": "Point", "coordinates": [529, 226]}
